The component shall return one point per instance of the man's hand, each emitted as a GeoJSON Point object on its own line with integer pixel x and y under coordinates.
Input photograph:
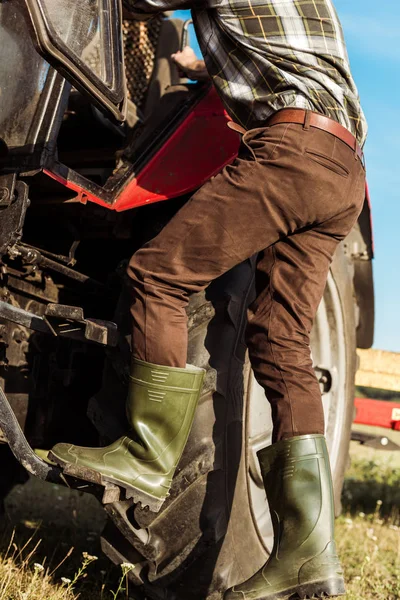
{"type": "Point", "coordinates": [189, 65]}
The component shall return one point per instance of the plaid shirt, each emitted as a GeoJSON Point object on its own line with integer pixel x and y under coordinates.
{"type": "Point", "coordinates": [265, 55]}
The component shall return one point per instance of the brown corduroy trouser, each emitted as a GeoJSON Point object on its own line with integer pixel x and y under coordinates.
{"type": "Point", "coordinates": [291, 196]}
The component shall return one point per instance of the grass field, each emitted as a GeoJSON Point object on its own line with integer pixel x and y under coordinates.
{"type": "Point", "coordinates": [368, 532]}
{"type": "Point", "coordinates": [49, 548]}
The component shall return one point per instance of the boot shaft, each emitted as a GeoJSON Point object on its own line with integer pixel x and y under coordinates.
{"type": "Point", "coordinates": [160, 406]}
{"type": "Point", "coordinates": [298, 483]}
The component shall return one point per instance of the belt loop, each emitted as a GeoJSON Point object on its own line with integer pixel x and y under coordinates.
{"type": "Point", "coordinates": [356, 156]}
{"type": "Point", "coordinates": [307, 119]}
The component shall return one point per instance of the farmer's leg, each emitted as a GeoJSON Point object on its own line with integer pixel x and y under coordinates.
{"type": "Point", "coordinates": [290, 278]}
{"type": "Point", "coordinates": [225, 222]}
{"type": "Point", "coordinates": [295, 468]}
{"type": "Point", "coordinates": [269, 192]}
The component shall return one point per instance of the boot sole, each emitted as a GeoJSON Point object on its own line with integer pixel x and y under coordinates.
{"type": "Point", "coordinates": [138, 496]}
{"type": "Point", "coordinates": [317, 589]}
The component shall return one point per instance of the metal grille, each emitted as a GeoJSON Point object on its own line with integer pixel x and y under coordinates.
{"type": "Point", "coordinates": [140, 45]}
{"type": "Point", "coordinates": [140, 40]}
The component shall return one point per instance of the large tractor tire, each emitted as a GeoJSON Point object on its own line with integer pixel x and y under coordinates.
{"type": "Point", "coordinates": [214, 530]}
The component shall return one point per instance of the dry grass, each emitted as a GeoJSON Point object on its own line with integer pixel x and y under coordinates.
{"type": "Point", "coordinates": [368, 536]}
{"type": "Point", "coordinates": [57, 529]}
{"type": "Point", "coordinates": [23, 579]}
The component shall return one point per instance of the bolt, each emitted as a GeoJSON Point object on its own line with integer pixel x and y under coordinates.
{"type": "Point", "coordinates": [31, 256]}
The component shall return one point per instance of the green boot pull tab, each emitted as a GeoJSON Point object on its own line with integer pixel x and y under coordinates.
{"type": "Point", "coordinates": [160, 407]}
{"type": "Point", "coordinates": [303, 562]}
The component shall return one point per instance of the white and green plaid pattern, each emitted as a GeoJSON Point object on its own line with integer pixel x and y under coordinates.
{"type": "Point", "coordinates": [265, 55]}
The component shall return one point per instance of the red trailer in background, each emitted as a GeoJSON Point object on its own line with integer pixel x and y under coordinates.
{"type": "Point", "coordinates": [378, 401]}
{"type": "Point", "coordinates": [376, 413]}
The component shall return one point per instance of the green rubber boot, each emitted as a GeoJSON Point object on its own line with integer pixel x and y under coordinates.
{"type": "Point", "coordinates": [161, 405]}
{"type": "Point", "coordinates": [303, 561]}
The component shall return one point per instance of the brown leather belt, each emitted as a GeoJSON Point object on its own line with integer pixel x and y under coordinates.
{"type": "Point", "coordinates": [300, 116]}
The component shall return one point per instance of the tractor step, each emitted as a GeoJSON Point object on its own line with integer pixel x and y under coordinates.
{"type": "Point", "coordinates": [64, 321]}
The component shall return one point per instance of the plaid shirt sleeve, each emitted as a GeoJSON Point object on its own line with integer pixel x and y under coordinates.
{"type": "Point", "coordinates": [265, 55]}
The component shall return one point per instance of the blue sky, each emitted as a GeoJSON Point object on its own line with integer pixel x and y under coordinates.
{"type": "Point", "coordinates": [372, 31]}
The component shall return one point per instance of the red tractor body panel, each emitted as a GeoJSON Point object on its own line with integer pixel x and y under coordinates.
{"type": "Point", "coordinates": [197, 150]}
